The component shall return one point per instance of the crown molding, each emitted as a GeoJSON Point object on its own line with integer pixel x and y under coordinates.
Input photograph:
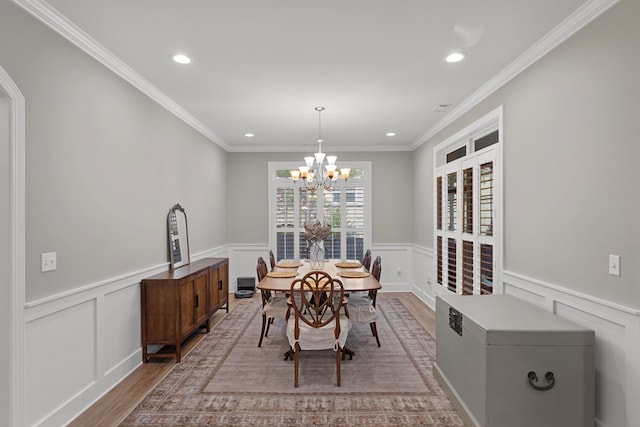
{"type": "Point", "coordinates": [244, 148]}
{"type": "Point", "coordinates": [576, 21]}
{"type": "Point", "coordinates": [44, 12]}
{"type": "Point", "coordinates": [56, 21]}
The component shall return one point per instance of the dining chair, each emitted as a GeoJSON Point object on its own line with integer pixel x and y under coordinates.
{"type": "Point", "coordinates": [318, 322]}
{"type": "Point", "coordinates": [273, 304]}
{"type": "Point", "coordinates": [366, 260]}
{"type": "Point", "coordinates": [272, 260]}
{"type": "Point", "coordinates": [362, 308]}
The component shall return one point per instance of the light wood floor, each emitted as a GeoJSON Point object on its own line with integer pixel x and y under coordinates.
{"type": "Point", "coordinates": [114, 406]}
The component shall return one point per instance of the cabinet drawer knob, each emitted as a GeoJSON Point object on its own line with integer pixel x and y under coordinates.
{"type": "Point", "coordinates": [549, 377]}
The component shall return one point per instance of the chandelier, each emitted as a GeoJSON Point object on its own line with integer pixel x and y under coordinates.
{"type": "Point", "coordinates": [320, 170]}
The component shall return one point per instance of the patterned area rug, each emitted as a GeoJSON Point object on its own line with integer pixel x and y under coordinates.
{"type": "Point", "coordinates": [228, 381]}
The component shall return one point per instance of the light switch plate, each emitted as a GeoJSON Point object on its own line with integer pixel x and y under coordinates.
{"type": "Point", "coordinates": [48, 261]}
{"type": "Point", "coordinates": [614, 265]}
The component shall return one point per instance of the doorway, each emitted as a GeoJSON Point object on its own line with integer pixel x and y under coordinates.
{"type": "Point", "coordinates": [12, 254]}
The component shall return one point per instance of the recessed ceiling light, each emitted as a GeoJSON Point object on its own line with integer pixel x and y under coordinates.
{"type": "Point", "coordinates": [455, 57]}
{"type": "Point", "coordinates": [248, 135]}
{"type": "Point", "coordinates": [391, 134]}
{"type": "Point", "coordinates": [181, 58]}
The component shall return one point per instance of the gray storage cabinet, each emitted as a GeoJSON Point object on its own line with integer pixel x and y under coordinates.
{"type": "Point", "coordinates": [507, 363]}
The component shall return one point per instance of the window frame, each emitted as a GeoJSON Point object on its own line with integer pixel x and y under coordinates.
{"type": "Point", "coordinates": [491, 122]}
{"type": "Point", "coordinates": [275, 183]}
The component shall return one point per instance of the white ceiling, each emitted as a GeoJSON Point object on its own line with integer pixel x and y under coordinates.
{"type": "Point", "coordinates": [261, 66]}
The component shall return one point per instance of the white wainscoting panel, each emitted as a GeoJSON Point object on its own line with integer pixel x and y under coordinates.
{"type": "Point", "coordinates": [423, 280]}
{"type": "Point", "coordinates": [121, 313]}
{"type": "Point", "coordinates": [79, 345]}
{"type": "Point", "coordinates": [243, 260]}
{"type": "Point", "coordinates": [617, 354]}
{"type": "Point", "coordinates": [60, 360]}
{"type": "Point", "coordinates": [397, 271]}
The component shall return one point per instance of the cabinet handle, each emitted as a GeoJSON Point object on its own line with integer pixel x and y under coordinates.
{"type": "Point", "coordinates": [219, 285]}
{"type": "Point", "coordinates": [196, 301]}
{"type": "Point", "coordinates": [549, 377]}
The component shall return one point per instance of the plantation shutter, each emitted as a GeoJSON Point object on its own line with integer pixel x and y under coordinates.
{"type": "Point", "coordinates": [285, 220]}
{"type": "Point", "coordinates": [346, 209]}
{"type": "Point", "coordinates": [464, 218]}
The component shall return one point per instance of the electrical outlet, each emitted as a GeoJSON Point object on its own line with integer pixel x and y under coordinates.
{"type": "Point", "coordinates": [614, 265]}
{"type": "Point", "coordinates": [48, 261]}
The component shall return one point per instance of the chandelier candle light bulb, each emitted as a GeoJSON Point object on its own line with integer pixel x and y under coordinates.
{"type": "Point", "coordinates": [315, 174]}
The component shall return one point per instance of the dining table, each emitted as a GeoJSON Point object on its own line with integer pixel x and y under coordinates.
{"type": "Point", "coordinates": [352, 274]}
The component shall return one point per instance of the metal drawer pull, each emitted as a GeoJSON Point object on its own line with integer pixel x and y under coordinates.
{"type": "Point", "coordinates": [533, 379]}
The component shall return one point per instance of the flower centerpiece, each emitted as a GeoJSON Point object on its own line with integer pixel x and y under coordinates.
{"type": "Point", "coordinates": [315, 233]}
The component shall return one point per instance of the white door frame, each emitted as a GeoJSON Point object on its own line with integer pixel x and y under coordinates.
{"type": "Point", "coordinates": [16, 205]}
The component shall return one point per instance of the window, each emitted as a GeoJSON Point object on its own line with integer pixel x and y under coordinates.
{"type": "Point", "coordinates": [346, 209]}
{"type": "Point", "coordinates": [468, 245]}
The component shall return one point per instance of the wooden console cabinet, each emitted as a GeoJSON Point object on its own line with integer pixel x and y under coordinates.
{"type": "Point", "coordinates": [176, 303]}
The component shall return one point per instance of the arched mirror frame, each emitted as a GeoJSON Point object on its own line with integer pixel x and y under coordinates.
{"type": "Point", "coordinates": [178, 233]}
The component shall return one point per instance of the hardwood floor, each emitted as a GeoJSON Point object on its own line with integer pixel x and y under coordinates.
{"type": "Point", "coordinates": [114, 406]}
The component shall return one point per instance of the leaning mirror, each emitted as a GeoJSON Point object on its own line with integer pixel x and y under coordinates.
{"type": "Point", "coordinates": [178, 237]}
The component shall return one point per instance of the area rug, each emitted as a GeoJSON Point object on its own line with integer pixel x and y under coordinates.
{"type": "Point", "coordinates": [228, 381]}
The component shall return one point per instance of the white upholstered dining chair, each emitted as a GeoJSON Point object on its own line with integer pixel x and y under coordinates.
{"type": "Point", "coordinates": [319, 319]}
{"type": "Point", "coordinates": [274, 305]}
{"type": "Point", "coordinates": [362, 306]}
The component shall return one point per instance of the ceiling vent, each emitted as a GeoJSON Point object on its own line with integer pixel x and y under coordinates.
{"type": "Point", "coordinates": [441, 108]}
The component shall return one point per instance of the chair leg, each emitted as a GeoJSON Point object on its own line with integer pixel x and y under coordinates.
{"type": "Point", "coordinates": [374, 329]}
{"type": "Point", "coordinates": [269, 322]}
{"type": "Point", "coordinates": [338, 357]}
{"type": "Point", "coordinates": [296, 359]}
{"type": "Point", "coordinates": [264, 321]}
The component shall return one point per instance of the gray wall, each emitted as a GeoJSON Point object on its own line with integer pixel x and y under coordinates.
{"type": "Point", "coordinates": [572, 146]}
{"type": "Point", "coordinates": [392, 198]}
{"type": "Point", "coordinates": [104, 164]}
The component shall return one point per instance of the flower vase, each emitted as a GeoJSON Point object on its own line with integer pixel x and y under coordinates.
{"type": "Point", "coordinates": [316, 255]}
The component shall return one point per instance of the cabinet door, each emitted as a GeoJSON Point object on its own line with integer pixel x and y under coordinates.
{"type": "Point", "coordinates": [187, 299]}
{"type": "Point", "coordinates": [214, 301]}
{"type": "Point", "coordinates": [223, 283]}
{"type": "Point", "coordinates": [201, 308]}
{"type": "Point", "coordinates": [159, 311]}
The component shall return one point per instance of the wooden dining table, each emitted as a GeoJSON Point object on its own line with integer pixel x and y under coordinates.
{"type": "Point", "coordinates": [332, 267]}
{"type": "Point", "coordinates": [283, 284]}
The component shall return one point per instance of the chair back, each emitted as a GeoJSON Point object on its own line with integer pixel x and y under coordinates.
{"type": "Point", "coordinates": [272, 260]}
{"type": "Point", "coordinates": [376, 269]}
{"type": "Point", "coordinates": [314, 298]}
{"type": "Point", "coordinates": [261, 271]}
{"type": "Point", "coordinates": [376, 272]}
{"type": "Point", "coordinates": [366, 261]}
